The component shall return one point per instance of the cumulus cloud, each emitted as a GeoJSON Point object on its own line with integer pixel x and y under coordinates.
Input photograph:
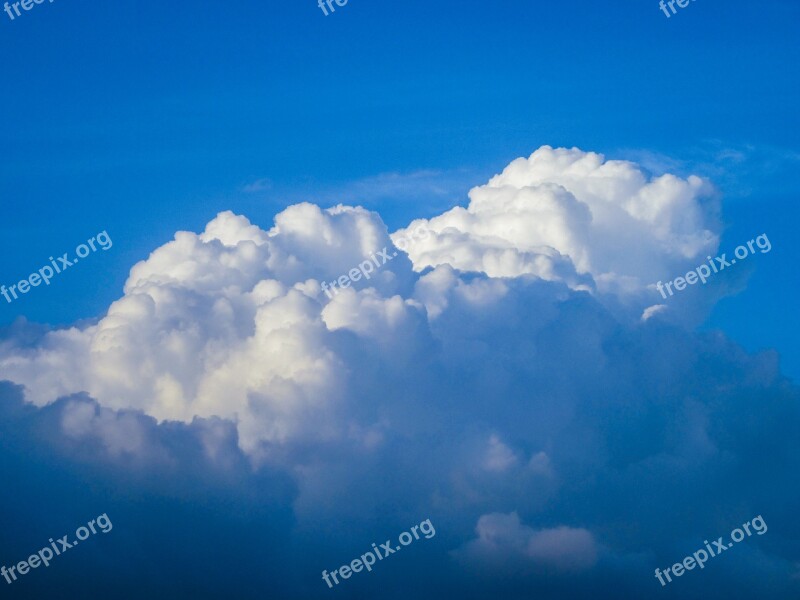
{"type": "Point", "coordinates": [574, 216]}
{"type": "Point", "coordinates": [488, 373]}
{"type": "Point", "coordinates": [503, 540]}
{"type": "Point", "coordinates": [229, 323]}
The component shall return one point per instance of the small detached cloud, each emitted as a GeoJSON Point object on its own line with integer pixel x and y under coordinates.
{"type": "Point", "coordinates": [504, 542]}
{"type": "Point", "coordinates": [259, 185]}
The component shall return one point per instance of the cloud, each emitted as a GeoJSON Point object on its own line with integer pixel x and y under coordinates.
{"type": "Point", "coordinates": [184, 502]}
{"type": "Point", "coordinates": [499, 457]}
{"type": "Point", "coordinates": [259, 185]}
{"type": "Point", "coordinates": [573, 216]}
{"type": "Point", "coordinates": [227, 323]}
{"type": "Point", "coordinates": [496, 370]}
{"type": "Point", "coordinates": [738, 169]}
{"type": "Point", "coordinates": [428, 183]}
{"type": "Point", "coordinates": [503, 540]}
{"type": "Point", "coordinates": [434, 189]}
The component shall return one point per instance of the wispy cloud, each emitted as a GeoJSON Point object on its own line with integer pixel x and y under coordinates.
{"type": "Point", "coordinates": [259, 185]}
{"type": "Point", "coordinates": [437, 188]}
{"type": "Point", "coordinates": [738, 169]}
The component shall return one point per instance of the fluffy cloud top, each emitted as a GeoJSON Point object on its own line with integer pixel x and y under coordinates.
{"type": "Point", "coordinates": [230, 323]}
{"type": "Point", "coordinates": [572, 216]}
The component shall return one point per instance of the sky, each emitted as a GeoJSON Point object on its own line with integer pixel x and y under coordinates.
{"type": "Point", "coordinates": [512, 374]}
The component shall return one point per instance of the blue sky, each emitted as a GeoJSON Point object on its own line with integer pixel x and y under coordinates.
{"type": "Point", "coordinates": [147, 118]}
{"type": "Point", "coordinates": [183, 107]}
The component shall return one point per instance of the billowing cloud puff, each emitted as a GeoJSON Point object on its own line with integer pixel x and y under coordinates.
{"type": "Point", "coordinates": [572, 216]}
{"type": "Point", "coordinates": [230, 323]}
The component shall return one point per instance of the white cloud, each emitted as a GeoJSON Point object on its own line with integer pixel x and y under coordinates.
{"type": "Point", "coordinates": [496, 381]}
{"type": "Point", "coordinates": [228, 323]}
{"type": "Point", "coordinates": [573, 216]}
{"type": "Point", "coordinates": [232, 323]}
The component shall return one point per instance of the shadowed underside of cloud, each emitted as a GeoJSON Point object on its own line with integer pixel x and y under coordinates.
{"type": "Point", "coordinates": [498, 379]}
